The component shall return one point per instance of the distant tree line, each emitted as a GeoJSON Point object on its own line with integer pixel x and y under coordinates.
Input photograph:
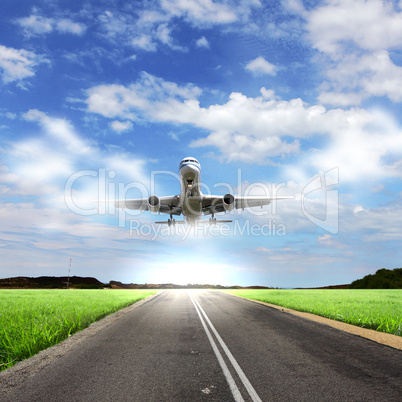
{"type": "Point", "coordinates": [382, 279]}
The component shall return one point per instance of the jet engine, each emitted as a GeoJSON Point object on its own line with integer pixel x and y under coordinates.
{"type": "Point", "coordinates": [228, 202]}
{"type": "Point", "coordinates": [154, 203]}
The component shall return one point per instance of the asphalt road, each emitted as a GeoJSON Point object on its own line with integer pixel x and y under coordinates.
{"type": "Point", "coordinates": [209, 346]}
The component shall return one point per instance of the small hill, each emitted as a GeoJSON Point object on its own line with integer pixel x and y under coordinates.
{"type": "Point", "coordinates": [382, 279]}
{"type": "Point", "coordinates": [51, 282]}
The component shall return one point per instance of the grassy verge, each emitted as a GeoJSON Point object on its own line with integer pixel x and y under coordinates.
{"type": "Point", "coordinates": [380, 310]}
{"type": "Point", "coordinates": [33, 320]}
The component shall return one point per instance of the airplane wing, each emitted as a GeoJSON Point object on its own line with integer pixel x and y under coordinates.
{"type": "Point", "coordinates": [137, 203]}
{"type": "Point", "coordinates": [212, 204]}
{"type": "Point", "coordinates": [168, 205]}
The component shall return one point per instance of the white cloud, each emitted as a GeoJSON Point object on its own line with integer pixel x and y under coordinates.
{"type": "Point", "coordinates": [115, 26]}
{"type": "Point", "coordinates": [359, 77]}
{"type": "Point", "coordinates": [147, 96]}
{"type": "Point", "coordinates": [260, 66]}
{"type": "Point", "coordinates": [342, 99]}
{"type": "Point", "coordinates": [60, 130]}
{"type": "Point", "coordinates": [28, 227]}
{"type": "Point", "coordinates": [153, 26]}
{"type": "Point", "coordinates": [13, 184]}
{"type": "Point", "coordinates": [298, 260]}
{"type": "Point", "coordinates": [378, 188]}
{"type": "Point", "coordinates": [147, 32]}
{"type": "Point", "coordinates": [121, 126]}
{"type": "Point", "coordinates": [38, 164]}
{"type": "Point", "coordinates": [144, 42]}
{"type": "Point", "coordinates": [356, 40]}
{"type": "Point", "coordinates": [374, 224]}
{"type": "Point", "coordinates": [202, 42]}
{"type": "Point", "coordinates": [244, 128]}
{"type": "Point", "coordinates": [331, 242]}
{"type": "Point", "coordinates": [199, 12]}
{"type": "Point", "coordinates": [36, 25]}
{"type": "Point", "coordinates": [359, 142]}
{"type": "Point", "coordinates": [296, 7]}
{"type": "Point", "coordinates": [38, 169]}
{"type": "Point", "coordinates": [173, 136]}
{"type": "Point", "coordinates": [371, 25]}
{"type": "Point", "coordinates": [380, 76]}
{"type": "Point", "coordinates": [359, 225]}
{"type": "Point", "coordinates": [42, 161]}
{"type": "Point", "coordinates": [264, 250]}
{"type": "Point", "coordinates": [163, 34]}
{"type": "Point", "coordinates": [65, 25]}
{"type": "Point", "coordinates": [364, 145]}
{"type": "Point", "coordinates": [18, 64]}
{"type": "Point", "coordinates": [114, 101]}
{"type": "Point", "coordinates": [160, 100]}
{"type": "Point", "coordinates": [39, 25]}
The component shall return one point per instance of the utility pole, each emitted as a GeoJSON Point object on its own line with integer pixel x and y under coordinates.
{"type": "Point", "coordinates": [68, 280]}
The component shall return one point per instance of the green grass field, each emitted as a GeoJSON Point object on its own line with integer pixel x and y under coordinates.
{"type": "Point", "coordinates": [380, 310]}
{"type": "Point", "coordinates": [33, 320]}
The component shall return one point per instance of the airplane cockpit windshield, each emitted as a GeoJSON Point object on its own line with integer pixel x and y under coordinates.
{"type": "Point", "coordinates": [193, 161]}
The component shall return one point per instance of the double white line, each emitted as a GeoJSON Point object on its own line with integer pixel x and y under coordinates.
{"type": "Point", "coordinates": [232, 384]}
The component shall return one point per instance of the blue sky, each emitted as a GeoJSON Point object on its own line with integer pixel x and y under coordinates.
{"type": "Point", "coordinates": [104, 98]}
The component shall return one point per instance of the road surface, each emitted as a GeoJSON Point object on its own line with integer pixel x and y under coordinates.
{"type": "Point", "coordinates": [209, 346]}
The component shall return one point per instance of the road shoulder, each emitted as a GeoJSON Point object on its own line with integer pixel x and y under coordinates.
{"type": "Point", "coordinates": [383, 338]}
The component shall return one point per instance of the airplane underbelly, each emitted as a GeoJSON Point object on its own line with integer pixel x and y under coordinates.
{"type": "Point", "coordinates": [192, 207]}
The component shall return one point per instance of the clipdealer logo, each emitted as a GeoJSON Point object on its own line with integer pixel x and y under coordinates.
{"type": "Point", "coordinates": [324, 185]}
{"type": "Point", "coordinates": [319, 203]}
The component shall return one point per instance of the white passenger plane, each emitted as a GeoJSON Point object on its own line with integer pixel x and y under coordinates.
{"type": "Point", "coordinates": [191, 202]}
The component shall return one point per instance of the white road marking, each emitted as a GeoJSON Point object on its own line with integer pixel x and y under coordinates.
{"type": "Point", "coordinates": [232, 385]}
{"type": "Point", "coordinates": [250, 389]}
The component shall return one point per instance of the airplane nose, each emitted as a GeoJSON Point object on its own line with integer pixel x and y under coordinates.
{"type": "Point", "coordinates": [189, 171]}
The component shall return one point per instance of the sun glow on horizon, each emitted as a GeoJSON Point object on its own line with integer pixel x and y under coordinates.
{"type": "Point", "coordinates": [187, 271]}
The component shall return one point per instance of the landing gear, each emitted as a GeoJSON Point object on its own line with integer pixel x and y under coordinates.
{"type": "Point", "coordinates": [189, 188]}
{"type": "Point", "coordinates": [212, 221]}
{"type": "Point", "coordinates": [171, 221]}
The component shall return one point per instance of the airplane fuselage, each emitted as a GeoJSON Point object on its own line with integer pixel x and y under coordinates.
{"type": "Point", "coordinates": [190, 194]}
